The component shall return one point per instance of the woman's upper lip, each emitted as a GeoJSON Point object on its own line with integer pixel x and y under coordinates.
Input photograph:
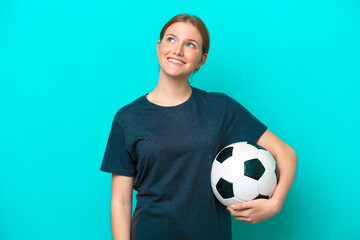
{"type": "Point", "coordinates": [177, 59]}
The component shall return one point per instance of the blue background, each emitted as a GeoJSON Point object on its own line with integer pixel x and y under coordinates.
{"type": "Point", "coordinates": [67, 66]}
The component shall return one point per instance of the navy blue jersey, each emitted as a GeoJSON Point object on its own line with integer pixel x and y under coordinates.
{"type": "Point", "coordinates": [169, 152]}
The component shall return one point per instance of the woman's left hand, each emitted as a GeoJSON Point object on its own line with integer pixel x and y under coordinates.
{"type": "Point", "coordinates": [255, 211]}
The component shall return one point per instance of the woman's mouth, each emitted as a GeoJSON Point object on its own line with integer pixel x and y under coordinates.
{"type": "Point", "coordinates": [178, 62]}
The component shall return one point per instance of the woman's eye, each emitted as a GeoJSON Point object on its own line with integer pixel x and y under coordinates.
{"type": "Point", "coordinates": [170, 39]}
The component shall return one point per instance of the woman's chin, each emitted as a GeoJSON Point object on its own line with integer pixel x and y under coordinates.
{"type": "Point", "coordinates": [176, 74]}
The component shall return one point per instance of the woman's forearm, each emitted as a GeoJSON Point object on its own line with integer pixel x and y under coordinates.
{"type": "Point", "coordinates": [120, 221]}
{"type": "Point", "coordinates": [286, 164]}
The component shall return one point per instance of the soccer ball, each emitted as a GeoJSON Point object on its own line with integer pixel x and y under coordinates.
{"type": "Point", "coordinates": [241, 172]}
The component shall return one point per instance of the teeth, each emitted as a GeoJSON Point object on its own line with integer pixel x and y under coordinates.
{"type": "Point", "coordinates": [175, 61]}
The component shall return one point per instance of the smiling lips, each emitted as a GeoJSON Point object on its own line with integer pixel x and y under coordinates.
{"type": "Point", "coordinates": [176, 61]}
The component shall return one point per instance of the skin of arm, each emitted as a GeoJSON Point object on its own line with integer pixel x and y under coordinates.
{"type": "Point", "coordinates": [286, 159]}
{"type": "Point", "coordinates": [121, 206]}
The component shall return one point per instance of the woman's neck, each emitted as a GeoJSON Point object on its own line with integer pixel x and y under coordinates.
{"type": "Point", "coordinates": [170, 91]}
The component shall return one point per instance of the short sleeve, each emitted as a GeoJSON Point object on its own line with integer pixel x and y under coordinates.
{"type": "Point", "coordinates": [240, 124]}
{"type": "Point", "coordinates": [116, 158]}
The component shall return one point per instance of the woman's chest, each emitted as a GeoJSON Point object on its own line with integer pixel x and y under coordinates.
{"type": "Point", "coordinates": [175, 135]}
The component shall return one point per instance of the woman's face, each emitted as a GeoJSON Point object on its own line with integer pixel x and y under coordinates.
{"type": "Point", "coordinates": [180, 50]}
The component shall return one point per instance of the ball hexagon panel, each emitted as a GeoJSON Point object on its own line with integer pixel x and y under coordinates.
{"type": "Point", "coordinates": [267, 183]}
{"type": "Point", "coordinates": [244, 152]}
{"type": "Point", "coordinates": [226, 202]}
{"type": "Point", "coordinates": [267, 160]}
{"type": "Point", "coordinates": [232, 169]}
{"type": "Point", "coordinates": [246, 188]}
{"type": "Point", "coordinates": [232, 201]}
{"type": "Point", "coordinates": [215, 172]}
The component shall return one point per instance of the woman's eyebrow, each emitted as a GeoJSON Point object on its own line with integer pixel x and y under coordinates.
{"type": "Point", "coordinates": [176, 36]}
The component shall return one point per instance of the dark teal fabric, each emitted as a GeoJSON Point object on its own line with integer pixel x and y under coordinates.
{"type": "Point", "coordinates": [169, 152]}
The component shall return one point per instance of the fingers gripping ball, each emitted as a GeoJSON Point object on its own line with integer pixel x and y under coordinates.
{"type": "Point", "coordinates": [242, 172]}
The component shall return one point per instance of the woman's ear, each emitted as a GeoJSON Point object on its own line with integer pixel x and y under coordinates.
{"type": "Point", "coordinates": [158, 46]}
{"type": "Point", "coordinates": [202, 61]}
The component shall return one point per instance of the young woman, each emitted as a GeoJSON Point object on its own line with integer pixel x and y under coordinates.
{"type": "Point", "coordinates": [163, 143]}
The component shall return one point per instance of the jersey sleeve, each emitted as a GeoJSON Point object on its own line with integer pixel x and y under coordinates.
{"type": "Point", "coordinates": [116, 158]}
{"type": "Point", "coordinates": [241, 125]}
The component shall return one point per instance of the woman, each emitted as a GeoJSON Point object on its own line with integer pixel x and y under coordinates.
{"type": "Point", "coordinates": [163, 143]}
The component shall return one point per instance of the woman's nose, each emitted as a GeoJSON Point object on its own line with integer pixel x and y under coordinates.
{"type": "Point", "coordinates": [178, 50]}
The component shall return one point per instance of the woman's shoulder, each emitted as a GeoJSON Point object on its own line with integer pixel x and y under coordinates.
{"type": "Point", "coordinates": [214, 96]}
{"type": "Point", "coordinates": [129, 108]}
{"type": "Point", "coordinates": [221, 99]}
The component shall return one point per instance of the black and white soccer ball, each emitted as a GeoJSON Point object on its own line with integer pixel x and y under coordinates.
{"type": "Point", "coordinates": [241, 172]}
